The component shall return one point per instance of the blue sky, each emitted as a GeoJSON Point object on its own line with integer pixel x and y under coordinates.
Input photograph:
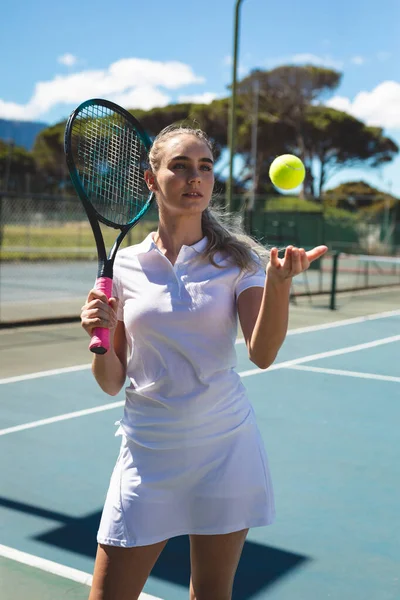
{"type": "Point", "coordinates": [152, 53]}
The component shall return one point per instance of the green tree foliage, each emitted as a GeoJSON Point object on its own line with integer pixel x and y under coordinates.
{"type": "Point", "coordinates": [48, 153]}
{"type": "Point", "coordinates": [291, 119]}
{"type": "Point", "coordinates": [274, 137]}
{"type": "Point", "coordinates": [284, 94]}
{"type": "Point", "coordinates": [17, 167]}
{"type": "Point", "coordinates": [212, 118]}
{"type": "Point", "coordinates": [359, 196]}
{"type": "Point", "coordinates": [335, 140]}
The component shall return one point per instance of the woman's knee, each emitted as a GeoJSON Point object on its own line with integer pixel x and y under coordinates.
{"type": "Point", "coordinates": [211, 591]}
{"type": "Point", "coordinates": [122, 572]}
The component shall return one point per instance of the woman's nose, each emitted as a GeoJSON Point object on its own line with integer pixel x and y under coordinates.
{"type": "Point", "coordinates": [194, 176]}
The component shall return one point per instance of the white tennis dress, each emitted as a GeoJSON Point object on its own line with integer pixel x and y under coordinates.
{"type": "Point", "coordinates": [192, 460]}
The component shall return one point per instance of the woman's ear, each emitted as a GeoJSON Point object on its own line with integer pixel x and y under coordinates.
{"type": "Point", "coordinates": [151, 180]}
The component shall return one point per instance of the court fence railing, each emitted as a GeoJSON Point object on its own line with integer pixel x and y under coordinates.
{"type": "Point", "coordinates": [47, 229]}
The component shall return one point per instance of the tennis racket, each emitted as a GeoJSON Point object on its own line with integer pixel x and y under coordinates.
{"type": "Point", "coordinates": [106, 151]}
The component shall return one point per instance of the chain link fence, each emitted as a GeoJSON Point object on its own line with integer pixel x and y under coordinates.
{"type": "Point", "coordinates": [48, 256]}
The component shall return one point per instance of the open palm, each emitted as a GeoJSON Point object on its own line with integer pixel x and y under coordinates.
{"type": "Point", "coordinates": [294, 261]}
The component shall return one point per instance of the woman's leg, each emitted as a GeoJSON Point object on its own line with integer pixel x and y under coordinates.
{"type": "Point", "coordinates": [120, 573]}
{"type": "Point", "coordinates": [214, 560]}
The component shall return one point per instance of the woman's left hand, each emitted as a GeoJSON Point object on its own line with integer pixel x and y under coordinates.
{"type": "Point", "coordinates": [294, 262]}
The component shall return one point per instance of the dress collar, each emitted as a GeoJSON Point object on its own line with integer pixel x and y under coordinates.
{"type": "Point", "coordinates": [149, 244]}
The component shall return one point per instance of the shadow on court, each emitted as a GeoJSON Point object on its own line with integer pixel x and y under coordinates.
{"type": "Point", "coordinates": [260, 566]}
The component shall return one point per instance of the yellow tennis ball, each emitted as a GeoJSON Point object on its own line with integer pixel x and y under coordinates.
{"type": "Point", "coordinates": [287, 172]}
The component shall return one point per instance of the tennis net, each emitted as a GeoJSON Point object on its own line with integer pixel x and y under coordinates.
{"type": "Point", "coordinates": [354, 273]}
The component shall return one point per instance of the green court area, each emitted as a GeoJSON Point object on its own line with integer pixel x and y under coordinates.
{"type": "Point", "coordinates": [67, 241]}
{"type": "Point", "coordinates": [328, 412]}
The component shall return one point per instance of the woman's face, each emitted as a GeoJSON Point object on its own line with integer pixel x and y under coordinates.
{"type": "Point", "coordinates": [185, 179]}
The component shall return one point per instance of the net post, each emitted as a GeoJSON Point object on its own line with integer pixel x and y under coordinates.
{"type": "Point", "coordinates": [335, 262]}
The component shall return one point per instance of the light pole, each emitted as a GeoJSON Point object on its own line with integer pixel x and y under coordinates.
{"type": "Point", "coordinates": [232, 109]}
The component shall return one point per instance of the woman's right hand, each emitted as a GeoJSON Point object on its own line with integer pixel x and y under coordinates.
{"type": "Point", "coordinates": [98, 311]}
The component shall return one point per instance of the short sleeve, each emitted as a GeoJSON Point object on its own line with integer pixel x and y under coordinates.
{"type": "Point", "coordinates": [253, 278]}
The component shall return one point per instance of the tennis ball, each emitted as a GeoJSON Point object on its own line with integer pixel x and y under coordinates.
{"type": "Point", "coordinates": [287, 172]}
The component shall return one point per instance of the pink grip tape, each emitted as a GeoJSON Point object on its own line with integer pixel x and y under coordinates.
{"type": "Point", "coordinates": [100, 342]}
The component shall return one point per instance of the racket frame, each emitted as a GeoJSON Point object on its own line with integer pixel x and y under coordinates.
{"type": "Point", "coordinates": [105, 261]}
{"type": "Point", "coordinates": [100, 338]}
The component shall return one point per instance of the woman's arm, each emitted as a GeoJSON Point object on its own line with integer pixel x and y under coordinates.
{"type": "Point", "coordinates": [263, 315]}
{"type": "Point", "coordinates": [108, 369]}
{"type": "Point", "coordinates": [264, 312]}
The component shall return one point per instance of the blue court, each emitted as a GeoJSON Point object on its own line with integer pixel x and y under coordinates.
{"type": "Point", "coordinates": [329, 413]}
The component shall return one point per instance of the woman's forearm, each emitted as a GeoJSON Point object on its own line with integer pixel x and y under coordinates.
{"type": "Point", "coordinates": [271, 326]}
{"type": "Point", "coordinates": [109, 372]}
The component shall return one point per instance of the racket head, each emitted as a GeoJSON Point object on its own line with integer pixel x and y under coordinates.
{"type": "Point", "coordinates": [106, 151]}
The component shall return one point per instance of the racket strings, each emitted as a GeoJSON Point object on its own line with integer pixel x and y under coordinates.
{"type": "Point", "coordinates": [111, 159]}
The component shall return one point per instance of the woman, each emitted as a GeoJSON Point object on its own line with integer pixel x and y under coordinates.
{"type": "Point", "coordinates": [191, 459]}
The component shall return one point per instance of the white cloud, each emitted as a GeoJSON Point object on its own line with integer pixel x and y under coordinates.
{"type": "Point", "coordinates": [132, 82]}
{"type": "Point", "coordinates": [319, 61]}
{"type": "Point", "coordinates": [380, 107]}
{"type": "Point", "coordinates": [358, 60]}
{"type": "Point", "coordinates": [305, 58]}
{"type": "Point", "coordinates": [69, 60]}
{"type": "Point", "coordinates": [205, 98]}
{"type": "Point", "coordinates": [384, 55]}
{"type": "Point", "coordinates": [145, 97]}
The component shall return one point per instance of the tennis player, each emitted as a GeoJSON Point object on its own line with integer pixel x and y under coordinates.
{"type": "Point", "coordinates": [191, 460]}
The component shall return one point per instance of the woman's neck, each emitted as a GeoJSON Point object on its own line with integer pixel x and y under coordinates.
{"type": "Point", "coordinates": [170, 237]}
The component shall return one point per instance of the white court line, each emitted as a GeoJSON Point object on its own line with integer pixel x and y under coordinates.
{"type": "Point", "coordinates": [344, 322]}
{"type": "Point", "coordinates": [346, 373]}
{"type": "Point", "coordinates": [64, 417]}
{"type": "Point", "coordinates": [18, 378]}
{"type": "Point", "coordinates": [282, 365]}
{"type": "Point", "coordinates": [298, 361]}
{"type": "Point", "coordinates": [322, 326]}
{"type": "Point", "coordinates": [54, 568]}
{"type": "Point", "coordinates": [352, 321]}
{"type": "Point", "coordinates": [85, 578]}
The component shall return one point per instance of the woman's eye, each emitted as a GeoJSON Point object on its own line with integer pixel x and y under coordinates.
{"type": "Point", "coordinates": [180, 166]}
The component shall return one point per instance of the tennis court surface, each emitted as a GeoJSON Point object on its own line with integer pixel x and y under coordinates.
{"type": "Point", "coordinates": [329, 413]}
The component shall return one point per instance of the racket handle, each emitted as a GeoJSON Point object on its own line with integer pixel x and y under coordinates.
{"type": "Point", "coordinates": [100, 342]}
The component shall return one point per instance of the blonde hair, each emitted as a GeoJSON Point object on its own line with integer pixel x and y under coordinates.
{"type": "Point", "coordinates": [224, 231]}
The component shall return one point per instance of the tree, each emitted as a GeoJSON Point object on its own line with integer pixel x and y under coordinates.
{"type": "Point", "coordinates": [336, 140]}
{"type": "Point", "coordinates": [16, 168]}
{"type": "Point", "coordinates": [359, 197]}
{"type": "Point", "coordinates": [285, 93]}
{"type": "Point", "coordinates": [291, 119]}
{"type": "Point", "coordinates": [212, 118]}
{"type": "Point", "coordinates": [48, 153]}
{"type": "Point", "coordinates": [290, 108]}
{"type": "Point", "coordinates": [274, 137]}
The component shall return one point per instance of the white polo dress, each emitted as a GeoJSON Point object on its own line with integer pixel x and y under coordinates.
{"type": "Point", "coordinates": [191, 460]}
